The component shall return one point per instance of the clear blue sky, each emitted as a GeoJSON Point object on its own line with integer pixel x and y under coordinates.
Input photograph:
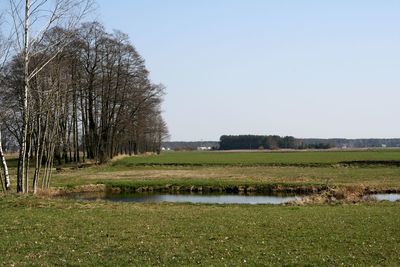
{"type": "Point", "coordinates": [303, 68]}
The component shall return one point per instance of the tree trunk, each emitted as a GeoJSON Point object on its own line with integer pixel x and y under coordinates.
{"type": "Point", "coordinates": [6, 183]}
{"type": "Point", "coordinates": [27, 161]}
{"type": "Point", "coordinates": [22, 154]}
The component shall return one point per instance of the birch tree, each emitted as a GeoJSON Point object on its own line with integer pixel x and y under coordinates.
{"type": "Point", "coordinates": [90, 102]}
{"type": "Point", "coordinates": [31, 21]}
{"type": "Point", "coordinates": [5, 47]}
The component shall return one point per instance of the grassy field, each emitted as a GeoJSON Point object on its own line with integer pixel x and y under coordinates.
{"type": "Point", "coordinates": [52, 232]}
{"type": "Point", "coordinates": [246, 168]}
{"type": "Point", "coordinates": [261, 158]}
{"type": "Point", "coordinates": [41, 231]}
{"type": "Point", "coordinates": [379, 178]}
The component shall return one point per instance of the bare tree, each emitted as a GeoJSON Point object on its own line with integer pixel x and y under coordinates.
{"type": "Point", "coordinates": [91, 101]}
{"type": "Point", "coordinates": [31, 22]}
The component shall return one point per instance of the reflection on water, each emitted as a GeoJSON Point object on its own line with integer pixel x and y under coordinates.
{"type": "Point", "coordinates": [187, 198]}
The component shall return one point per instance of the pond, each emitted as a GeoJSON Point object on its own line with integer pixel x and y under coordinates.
{"type": "Point", "coordinates": [187, 198]}
{"type": "Point", "coordinates": [206, 198]}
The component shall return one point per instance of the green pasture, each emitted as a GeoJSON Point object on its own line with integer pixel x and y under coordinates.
{"type": "Point", "coordinates": [45, 232]}
{"type": "Point", "coordinates": [39, 231]}
{"type": "Point", "coordinates": [243, 168]}
{"type": "Point", "coordinates": [260, 158]}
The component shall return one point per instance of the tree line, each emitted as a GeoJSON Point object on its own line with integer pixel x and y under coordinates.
{"type": "Point", "coordinates": [75, 92]}
{"type": "Point", "coordinates": [232, 142]}
{"type": "Point", "coordinates": [356, 143]}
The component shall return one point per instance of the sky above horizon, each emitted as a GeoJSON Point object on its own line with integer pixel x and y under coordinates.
{"type": "Point", "coordinates": [302, 68]}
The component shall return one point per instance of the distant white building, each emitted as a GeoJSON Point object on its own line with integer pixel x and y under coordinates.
{"type": "Point", "coordinates": [204, 148]}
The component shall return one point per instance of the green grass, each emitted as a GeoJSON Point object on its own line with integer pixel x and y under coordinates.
{"type": "Point", "coordinates": [260, 158]}
{"type": "Point", "coordinates": [35, 231]}
{"type": "Point", "coordinates": [50, 232]}
{"type": "Point", "coordinates": [379, 178]}
{"type": "Point", "coordinates": [224, 169]}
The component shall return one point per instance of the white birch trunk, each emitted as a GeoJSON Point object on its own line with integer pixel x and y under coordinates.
{"type": "Point", "coordinates": [7, 183]}
{"type": "Point", "coordinates": [22, 156]}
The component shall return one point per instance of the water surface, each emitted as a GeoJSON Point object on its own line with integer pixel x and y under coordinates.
{"type": "Point", "coordinates": [187, 198]}
{"type": "Point", "coordinates": [387, 197]}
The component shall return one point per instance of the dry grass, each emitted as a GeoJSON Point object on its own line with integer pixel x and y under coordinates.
{"type": "Point", "coordinates": [378, 177]}
{"type": "Point", "coordinates": [349, 194]}
{"type": "Point", "coordinates": [88, 188]}
{"type": "Point", "coordinates": [119, 157]}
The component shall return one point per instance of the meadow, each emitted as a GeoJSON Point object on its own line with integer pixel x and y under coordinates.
{"type": "Point", "coordinates": [50, 231]}
{"type": "Point", "coordinates": [281, 158]}
{"type": "Point", "coordinates": [46, 232]}
{"type": "Point", "coordinates": [375, 169]}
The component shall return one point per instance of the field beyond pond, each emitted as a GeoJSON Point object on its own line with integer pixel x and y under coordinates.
{"type": "Point", "coordinates": [280, 158]}
{"type": "Point", "coordinates": [376, 169]}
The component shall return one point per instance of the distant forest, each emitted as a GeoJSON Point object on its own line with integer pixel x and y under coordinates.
{"type": "Point", "coordinates": [232, 142]}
